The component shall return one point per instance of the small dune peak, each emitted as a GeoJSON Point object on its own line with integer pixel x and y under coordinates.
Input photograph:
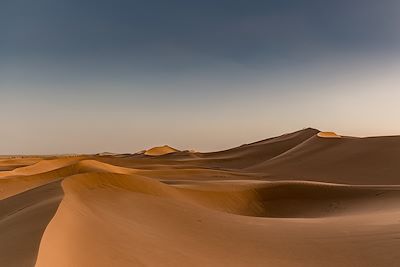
{"type": "Point", "coordinates": [310, 129]}
{"type": "Point", "coordinates": [160, 150]}
{"type": "Point", "coordinates": [328, 135]}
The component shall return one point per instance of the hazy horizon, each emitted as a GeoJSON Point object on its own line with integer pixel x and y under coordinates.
{"type": "Point", "coordinates": [93, 76]}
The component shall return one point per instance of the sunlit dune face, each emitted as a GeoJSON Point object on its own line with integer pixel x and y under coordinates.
{"type": "Point", "coordinates": [328, 135]}
{"type": "Point", "coordinates": [160, 150]}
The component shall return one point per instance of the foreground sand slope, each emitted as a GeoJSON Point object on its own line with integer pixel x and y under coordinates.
{"type": "Point", "coordinates": [120, 220]}
{"type": "Point", "coordinates": [23, 219]}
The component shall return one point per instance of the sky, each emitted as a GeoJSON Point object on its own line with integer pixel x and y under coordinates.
{"type": "Point", "coordinates": [90, 76]}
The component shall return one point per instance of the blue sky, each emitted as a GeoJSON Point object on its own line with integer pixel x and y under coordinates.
{"type": "Point", "coordinates": [89, 76]}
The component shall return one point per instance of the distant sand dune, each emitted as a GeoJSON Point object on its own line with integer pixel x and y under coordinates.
{"type": "Point", "coordinates": [373, 160]}
{"type": "Point", "coordinates": [328, 135]}
{"type": "Point", "coordinates": [160, 150]}
{"type": "Point", "coordinates": [9, 164]}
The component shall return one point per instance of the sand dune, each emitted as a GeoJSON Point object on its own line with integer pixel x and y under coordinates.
{"type": "Point", "coordinates": [9, 164]}
{"type": "Point", "coordinates": [328, 135]}
{"type": "Point", "coordinates": [40, 167]}
{"type": "Point", "coordinates": [373, 160]}
{"type": "Point", "coordinates": [302, 199]}
{"type": "Point", "coordinates": [292, 199]}
{"type": "Point", "coordinates": [160, 150]}
{"type": "Point", "coordinates": [250, 154]}
{"type": "Point", "coordinates": [51, 170]}
{"type": "Point", "coordinates": [145, 223]}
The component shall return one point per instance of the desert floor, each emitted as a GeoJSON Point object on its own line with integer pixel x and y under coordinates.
{"type": "Point", "coordinates": [301, 199]}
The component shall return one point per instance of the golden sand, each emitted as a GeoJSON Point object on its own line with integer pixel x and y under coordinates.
{"type": "Point", "coordinates": [292, 200]}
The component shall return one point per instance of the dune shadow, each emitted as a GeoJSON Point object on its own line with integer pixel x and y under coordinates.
{"type": "Point", "coordinates": [290, 199]}
{"type": "Point", "coordinates": [23, 220]}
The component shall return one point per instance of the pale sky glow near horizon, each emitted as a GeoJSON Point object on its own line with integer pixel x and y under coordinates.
{"type": "Point", "coordinates": [122, 76]}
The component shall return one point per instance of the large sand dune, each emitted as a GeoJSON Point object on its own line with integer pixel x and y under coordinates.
{"type": "Point", "coordinates": [300, 199]}
{"type": "Point", "coordinates": [373, 160]}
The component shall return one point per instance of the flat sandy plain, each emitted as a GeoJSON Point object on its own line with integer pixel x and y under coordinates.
{"type": "Point", "coordinates": [301, 199]}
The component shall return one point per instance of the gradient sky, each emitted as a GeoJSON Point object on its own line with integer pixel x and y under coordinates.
{"type": "Point", "coordinates": [90, 76]}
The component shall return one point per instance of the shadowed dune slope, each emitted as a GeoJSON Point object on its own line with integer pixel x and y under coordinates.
{"type": "Point", "coordinates": [250, 154]}
{"type": "Point", "coordinates": [23, 219]}
{"type": "Point", "coordinates": [373, 160]}
{"type": "Point", "coordinates": [245, 155]}
{"type": "Point", "coordinates": [291, 199]}
{"type": "Point", "coordinates": [236, 158]}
